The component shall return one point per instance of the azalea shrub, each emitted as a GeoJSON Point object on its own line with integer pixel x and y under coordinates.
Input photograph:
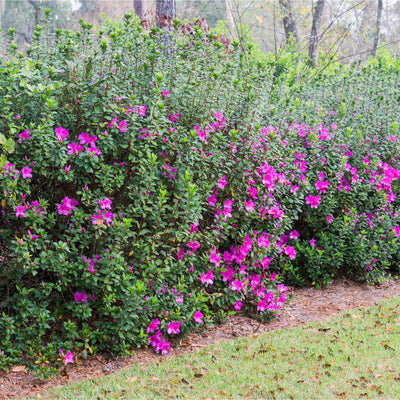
{"type": "Point", "coordinates": [122, 204]}
{"type": "Point", "coordinates": [152, 193]}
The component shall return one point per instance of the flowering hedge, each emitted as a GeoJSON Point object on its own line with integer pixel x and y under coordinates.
{"type": "Point", "coordinates": [149, 196]}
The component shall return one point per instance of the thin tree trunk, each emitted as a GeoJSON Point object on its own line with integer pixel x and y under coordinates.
{"type": "Point", "coordinates": [36, 6]}
{"type": "Point", "coordinates": [289, 23]}
{"type": "Point", "coordinates": [138, 7]}
{"type": "Point", "coordinates": [378, 28]}
{"type": "Point", "coordinates": [165, 14]}
{"type": "Point", "coordinates": [316, 25]}
{"type": "Point", "coordinates": [230, 22]}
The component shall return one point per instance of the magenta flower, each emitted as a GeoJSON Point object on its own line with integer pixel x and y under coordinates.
{"type": "Point", "coordinates": [322, 186]}
{"type": "Point", "coordinates": [122, 126]}
{"type": "Point", "coordinates": [207, 278]}
{"type": "Point", "coordinates": [68, 358]}
{"type": "Point", "coordinates": [74, 148]}
{"type": "Point", "coordinates": [238, 305]}
{"type": "Point", "coordinates": [249, 205]}
{"type": "Point", "coordinates": [294, 189]}
{"type": "Point", "coordinates": [84, 138]}
{"type": "Point", "coordinates": [329, 219]}
{"type": "Point", "coordinates": [294, 235]}
{"type": "Point", "coordinates": [155, 339]}
{"type": "Point", "coordinates": [198, 317]}
{"type": "Point", "coordinates": [26, 172]}
{"type": "Point", "coordinates": [180, 254]}
{"type": "Point", "coordinates": [94, 151]}
{"type": "Point", "coordinates": [141, 110]}
{"type": "Point", "coordinates": [291, 252]}
{"type": "Point", "coordinates": [212, 200]}
{"type": "Point", "coordinates": [61, 133]}
{"type": "Point", "coordinates": [222, 182]}
{"type": "Point", "coordinates": [193, 245]}
{"type": "Point", "coordinates": [396, 230]}
{"type": "Point", "coordinates": [153, 326]}
{"type": "Point", "coordinates": [78, 296]}
{"type": "Point", "coordinates": [164, 347]}
{"type": "Point", "coordinates": [265, 262]}
{"type": "Point", "coordinates": [273, 278]}
{"type": "Point", "coordinates": [24, 135]}
{"type": "Point", "coordinates": [174, 117]}
{"type": "Point", "coordinates": [263, 242]}
{"type": "Point", "coordinates": [215, 257]}
{"type": "Point", "coordinates": [228, 208]}
{"type": "Point", "coordinates": [173, 328]}
{"type": "Point", "coordinates": [20, 211]}
{"type": "Point", "coordinates": [97, 219]}
{"type": "Point", "coordinates": [313, 201]}
{"type": "Point", "coordinates": [165, 93]}
{"type": "Point", "coordinates": [67, 206]}
{"type": "Point", "coordinates": [312, 242]}
{"type": "Point", "coordinates": [105, 204]}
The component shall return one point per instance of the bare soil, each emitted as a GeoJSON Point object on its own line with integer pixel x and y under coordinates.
{"type": "Point", "coordinates": [309, 304]}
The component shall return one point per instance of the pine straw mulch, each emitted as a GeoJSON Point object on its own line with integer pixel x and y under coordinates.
{"type": "Point", "coordinates": [309, 304]}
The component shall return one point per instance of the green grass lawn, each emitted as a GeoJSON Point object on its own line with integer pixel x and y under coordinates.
{"type": "Point", "coordinates": [355, 355]}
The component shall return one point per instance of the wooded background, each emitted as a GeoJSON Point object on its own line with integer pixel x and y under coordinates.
{"type": "Point", "coordinates": [348, 29]}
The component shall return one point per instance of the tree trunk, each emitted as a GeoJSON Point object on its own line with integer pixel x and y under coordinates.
{"type": "Point", "coordinates": [36, 6]}
{"type": "Point", "coordinates": [316, 25]}
{"type": "Point", "coordinates": [165, 14]}
{"type": "Point", "coordinates": [230, 22]}
{"type": "Point", "coordinates": [138, 7]}
{"type": "Point", "coordinates": [289, 23]}
{"type": "Point", "coordinates": [378, 28]}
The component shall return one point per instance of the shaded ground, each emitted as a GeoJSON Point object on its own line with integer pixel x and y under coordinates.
{"type": "Point", "coordinates": [309, 304]}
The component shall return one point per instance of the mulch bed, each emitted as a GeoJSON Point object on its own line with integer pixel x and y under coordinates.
{"type": "Point", "coordinates": [309, 304]}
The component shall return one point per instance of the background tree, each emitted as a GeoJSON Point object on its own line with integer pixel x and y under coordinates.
{"type": "Point", "coordinates": [316, 25]}
{"type": "Point", "coordinates": [289, 22]}
{"type": "Point", "coordinates": [378, 27]}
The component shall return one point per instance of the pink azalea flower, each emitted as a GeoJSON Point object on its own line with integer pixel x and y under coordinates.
{"type": "Point", "coordinates": [20, 211]}
{"type": "Point", "coordinates": [198, 317]}
{"type": "Point", "coordinates": [249, 205]}
{"type": "Point", "coordinates": [215, 257]}
{"type": "Point", "coordinates": [78, 296]}
{"type": "Point", "coordinates": [396, 230]}
{"type": "Point", "coordinates": [238, 305]}
{"type": "Point", "coordinates": [165, 93]}
{"type": "Point", "coordinates": [313, 201]}
{"type": "Point", "coordinates": [61, 133]}
{"type": "Point", "coordinates": [173, 328]}
{"type": "Point", "coordinates": [263, 242]}
{"type": "Point", "coordinates": [67, 206]}
{"type": "Point", "coordinates": [74, 148]}
{"type": "Point", "coordinates": [222, 183]}
{"type": "Point", "coordinates": [273, 278]}
{"type": "Point", "coordinates": [122, 126]}
{"type": "Point", "coordinates": [228, 208]}
{"type": "Point", "coordinates": [155, 339]}
{"type": "Point", "coordinates": [212, 200]}
{"type": "Point", "coordinates": [265, 262]}
{"type": "Point", "coordinates": [291, 252]}
{"type": "Point", "coordinates": [24, 135]}
{"type": "Point", "coordinates": [329, 219]}
{"type": "Point", "coordinates": [322, 186]}
{"type": "Point", "coordinates": [312, 242]}
{"type": "Point", "coordinates": [68, 358]}
{"type": "Point", "coordinates": [294, 235]}
{"type": "Point", "coordinates": [294, 189]}
{"type": "Point", "coordinates": [193, 245]}
{"type": "Point", "coordinates": [105, 204]}
{"type": "Point", "coordinates": [94, 151]}
{"type": "Point", "coordinates": [180, 254]}
{"type": "Point", "coordinates": [26, 172]}
{"type": "Point", "coordinates": [207, 278]}
{"type": "Point", "coordinates": [153, 326]}
{"type": "Point", "coordinates": [174, 117]}
{"type": "Point", "coordinates": [84, 138]}
{"type": "Point", "coordinates": [179, 299]}
{"type": "Point", "coordinates": [141, 110]}
{"type": "Point", "coordinates": [164, 347]}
